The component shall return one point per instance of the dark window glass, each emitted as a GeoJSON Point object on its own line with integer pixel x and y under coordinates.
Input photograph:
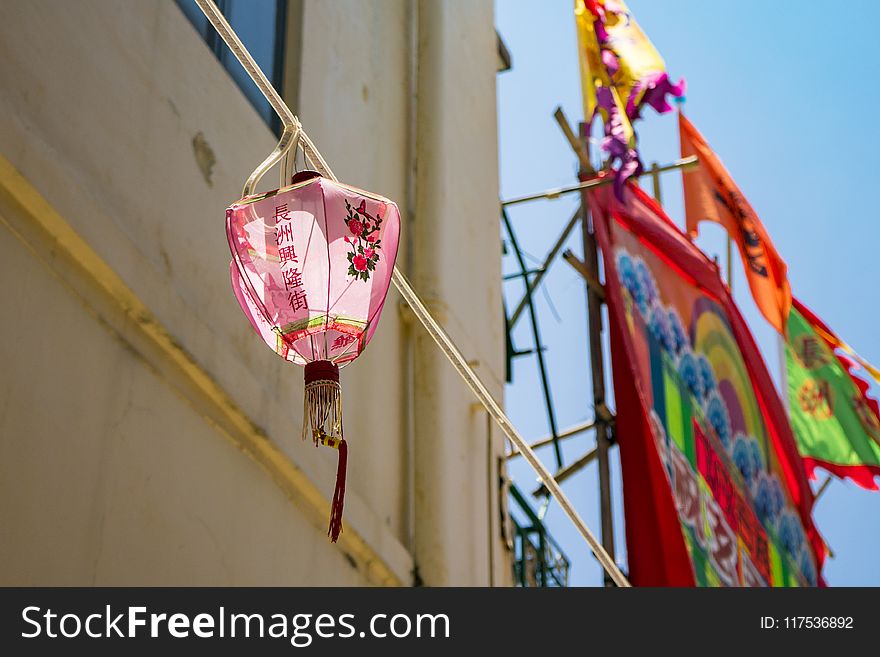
{"type": "Point", "coordinates": [260, 24]}
{"type": "Point", "coordinates": [196, 17]}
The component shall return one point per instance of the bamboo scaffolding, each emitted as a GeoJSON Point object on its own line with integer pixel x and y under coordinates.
{"type": "Point", "coordinates": [536, 333]}
{"type": "Point", "coordinates": [589, 269]}
{"type": "Point", "coordinates": [539, 276]}
{"type": "Point", "coordinates": [567, 471]}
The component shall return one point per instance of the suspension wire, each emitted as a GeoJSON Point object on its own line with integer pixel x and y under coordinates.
{"type": "Point", "coordinates": [293, 135]}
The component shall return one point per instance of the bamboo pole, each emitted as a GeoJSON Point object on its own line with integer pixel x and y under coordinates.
{"type": "Point", "coordinates": [595, 296]}
{"type": "Point", "coordinates": [684, 164]}
{"type": "Point", "coordinates": [655, 179]}
{"type": "Point", "coordinates": [821, 490]}
{"type": "Point", "coordinates": [579, 147]}
{"type": "Point", "coordinates": [547, 440]}
{"type": "Point", "coordinates": [295, 134]}
{"type": "Point", "coordinates": [589, 277]}
{"type": "Point", "coordinates": [597, 377]}
{"type": "Point", "coordinates": [567, 471]}
{"type": "Point", "coordinates": [730, 264]}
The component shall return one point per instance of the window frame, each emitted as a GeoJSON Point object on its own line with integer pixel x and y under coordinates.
{"type": "Point", "coordinates": [224, 55]}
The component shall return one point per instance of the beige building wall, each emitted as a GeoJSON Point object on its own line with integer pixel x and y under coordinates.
{"type": "Point", "coordinates": [147, 436]}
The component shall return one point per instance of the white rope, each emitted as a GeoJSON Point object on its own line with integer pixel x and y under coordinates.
{"type": "Point", "coordinates": [291, 135]}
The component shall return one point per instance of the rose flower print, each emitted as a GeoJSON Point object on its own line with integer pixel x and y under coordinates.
{"type": "Point", "coordinates": [364, 240]}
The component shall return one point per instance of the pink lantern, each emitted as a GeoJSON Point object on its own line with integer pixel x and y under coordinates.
{"type": "Point", "coordinates": [311, 265]}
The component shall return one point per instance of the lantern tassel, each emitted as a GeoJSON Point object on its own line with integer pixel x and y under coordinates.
{"type": "Point", "coordinates": [338, 504]}
{"type": "Point", "coordinates": [322, 421]}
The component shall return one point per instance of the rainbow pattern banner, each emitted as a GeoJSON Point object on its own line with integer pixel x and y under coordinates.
{"type": "Point", "coordinates": [714, 491]}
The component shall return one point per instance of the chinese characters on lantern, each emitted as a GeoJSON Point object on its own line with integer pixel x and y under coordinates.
{"type": "Point", "coordinates": [342, 341]}
{"type": "Point", "coordinates": [290, 272]}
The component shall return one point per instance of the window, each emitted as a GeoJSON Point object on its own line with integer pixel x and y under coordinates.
{"type": "Point", "coordinates": [261, 25]}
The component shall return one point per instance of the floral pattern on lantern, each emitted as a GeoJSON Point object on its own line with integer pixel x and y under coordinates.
{"type": "Point", "coordinates": [365, 242]}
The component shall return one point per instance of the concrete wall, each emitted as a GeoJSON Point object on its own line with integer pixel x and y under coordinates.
{"type": "Point", "coordinates": [457, 246]}
{"type": "Point", "coordinates": [115, 468]}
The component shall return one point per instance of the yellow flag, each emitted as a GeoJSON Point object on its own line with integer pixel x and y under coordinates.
{"type": "Point", "coordinates": [621, 72]}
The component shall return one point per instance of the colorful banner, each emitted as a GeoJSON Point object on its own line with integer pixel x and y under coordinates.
{"type": "Point", "coordinates": [835, 421]}
{"type": "Point", "coordinates": [711, 195]}
{"type": "Point", "coordinates": [714, 490]}
{"type": "Point", "coordinates": [621, 72]}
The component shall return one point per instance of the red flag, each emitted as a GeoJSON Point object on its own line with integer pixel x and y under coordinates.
{"type": "Point", "coordinates": [714, 489]}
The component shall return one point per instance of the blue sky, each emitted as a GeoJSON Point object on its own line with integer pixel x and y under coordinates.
{"type": "Point", "coordinates": [782, 93]}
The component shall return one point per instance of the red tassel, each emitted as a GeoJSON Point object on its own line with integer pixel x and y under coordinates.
{"type": "Point", "coordinates": [339, 495]}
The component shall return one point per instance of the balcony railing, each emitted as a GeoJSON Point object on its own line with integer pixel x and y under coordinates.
{"type": "Point", "coordinates": [538, 560]}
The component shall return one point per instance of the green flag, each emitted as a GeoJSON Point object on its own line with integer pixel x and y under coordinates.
{"type": "Point", "coordinates": [835, 422]}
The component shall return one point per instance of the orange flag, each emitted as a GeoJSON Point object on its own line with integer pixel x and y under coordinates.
{"type": "Point", "coordinates": [711, 195]}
